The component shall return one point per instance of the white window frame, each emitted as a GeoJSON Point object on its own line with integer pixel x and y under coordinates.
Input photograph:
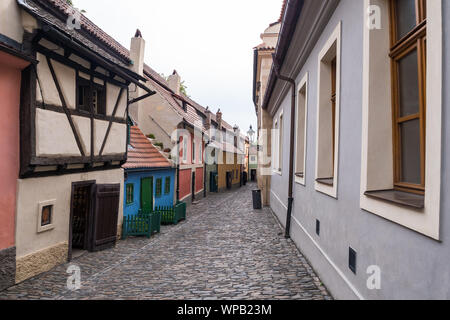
{"type": "Point", "coordinates": [376, 135]}
{"type": "Point", "coordinates": [323, 95]}
{"type": "Point", "coordinates": [41, 206]}
{"type": "Point", "coordinates": [275, 141]}
{"type": "Point", "coordinates": [303, 85]}
{"type": "Point", "coordinates": [185, 151]}
{"type": "Point", "coordinates": [280, 143]}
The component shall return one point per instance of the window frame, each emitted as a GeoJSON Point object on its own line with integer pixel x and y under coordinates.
{"type": "Point", "coordinates": [129, 194]}
{"type": "Point", "coordinates": [415, 40]}
{"type": "Point", "coordinates": [377, 167]}
{"type": "Point", "coordinates": [167, 185]}
{"type": "Point", "coordinates": [300, 173]}
{"type": "Point", "coordinates": [91, 85]}
{"type": "Point", "coordinates": [158, 187]}
{"type": "Point", "coordinates": [280, 142]}
{"type": "Point", "coordinates": [328, 185]}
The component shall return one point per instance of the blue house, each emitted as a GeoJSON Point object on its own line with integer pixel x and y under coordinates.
{"type": "Point", "coordinates": [149, 176]}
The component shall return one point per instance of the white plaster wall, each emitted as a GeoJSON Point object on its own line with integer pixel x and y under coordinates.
{"type": "Point", "coordinates": [66, 78]}
{"type": "Point", "coordinates": [10, 21]}
{"type": "Point", "coordinates": [30, 193]}
{"type": "Point", "coordinates": [117, 138]}
{"type": "Point", "coordinates": [112, 93]}
{"type": "Point", "coordinates": [83, 126]}
{"type": "Point", "coordinates": [52, 128]}
{"type": "Point", "coordinates": [165, 119]}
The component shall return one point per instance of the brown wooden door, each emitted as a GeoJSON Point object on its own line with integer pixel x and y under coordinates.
{"type": "Point", "coordinates": [104, 229]}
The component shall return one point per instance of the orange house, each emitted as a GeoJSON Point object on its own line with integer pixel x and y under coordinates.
{"type": "Point", "coordinates": [12, 62]}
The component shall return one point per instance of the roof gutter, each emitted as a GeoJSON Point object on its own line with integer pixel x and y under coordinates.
{"type": "Point", "coordinates": [289, 24]}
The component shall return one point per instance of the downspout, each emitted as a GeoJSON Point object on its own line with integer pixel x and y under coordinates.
{"type": "Point", "coordinates": [204, 175]}
{"type": "Point", "coordinates": [291, 151]}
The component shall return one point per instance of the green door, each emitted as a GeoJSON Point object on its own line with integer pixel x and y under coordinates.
{"type": "Point", "coordinates": [147, 194]}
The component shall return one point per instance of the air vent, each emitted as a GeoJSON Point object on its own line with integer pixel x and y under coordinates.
{"type": "Point", "coordinates": [352, 260]}
{"type": "Point", "coordinates": [318, 227]}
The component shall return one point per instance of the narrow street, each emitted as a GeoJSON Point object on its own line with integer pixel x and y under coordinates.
{"type": "Point", "coordinates": [224, 250]}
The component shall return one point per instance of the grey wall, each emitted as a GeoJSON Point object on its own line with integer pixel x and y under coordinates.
{"type": "Point", "coordinates": [413, 266]}
{"type": "Point", "coordinates": [7, 267]}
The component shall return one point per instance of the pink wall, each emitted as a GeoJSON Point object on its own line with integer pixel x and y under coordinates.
{"type": "Point", "coordinates": [198, 179]}
{"type": "Point", "coordinates": [185, 183]}
{"type": "Point", "coordinates": [10, 77]}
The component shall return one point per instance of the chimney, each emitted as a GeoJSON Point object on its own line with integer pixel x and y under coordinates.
{"type": "Point", "coordinates": [219, 120]}
{"type": "Point", "coordinates": [208, 119]}
{"type": "Point", "coordinates": [174, 82]}
{"type": "Point", "coordinates": [137, 52]}
{"type": "Point", "coordinates": [237, 135]}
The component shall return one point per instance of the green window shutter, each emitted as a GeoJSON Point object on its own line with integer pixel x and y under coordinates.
{"type": "Point", "coordinates": [158, 187]}
{"type": "Point", "coordinates": [130, 193]}
{"type": "Point", "coordinates": [167, 186]}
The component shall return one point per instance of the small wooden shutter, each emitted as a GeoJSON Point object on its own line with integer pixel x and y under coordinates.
{"type": "Point", "coordinates": [106, 216]}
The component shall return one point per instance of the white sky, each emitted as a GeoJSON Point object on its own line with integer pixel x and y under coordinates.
{"type": "Point", "coordinates": [209, 42]}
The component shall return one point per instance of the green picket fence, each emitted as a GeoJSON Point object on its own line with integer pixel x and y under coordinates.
{"type": "Point", "coordinates": [148, 223]}
{"type": "Point", "coordinates": [172, 215]}
{"type": "Point", "coordinates": [142, 224]}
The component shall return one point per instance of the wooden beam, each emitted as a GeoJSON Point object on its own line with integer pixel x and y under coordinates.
{"type": "Point", "coordinates": [110, 122]}
{"type": "Point", "coordinates": [64, 105]}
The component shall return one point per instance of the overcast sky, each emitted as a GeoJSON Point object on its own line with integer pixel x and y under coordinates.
{"type": "Point", "coordinates": [209, 42]}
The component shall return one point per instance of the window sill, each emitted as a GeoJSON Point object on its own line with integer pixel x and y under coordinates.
{"type": "Point", "coordinates": [398, 197]}
{"type": "Point", "coordinates": [326, 181]}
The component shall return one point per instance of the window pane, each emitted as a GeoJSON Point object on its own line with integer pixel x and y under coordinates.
{"type": "Point", "coordinates": [409, 84]}
{"type": "Point", "coordinates": [410, 148]}
{"type": "Point", "coordinates": [406, 17]}
{"type": "Point", "coordinates": [46, 215]}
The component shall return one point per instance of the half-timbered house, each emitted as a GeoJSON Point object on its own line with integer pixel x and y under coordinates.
{"type": "Point", "coordinates": [73, 135]}
{"type": "Point", "coordinates": [12, 62]}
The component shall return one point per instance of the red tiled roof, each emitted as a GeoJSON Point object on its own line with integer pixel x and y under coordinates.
{"type": "Point", "coordinates": [142, 153]}
{"type": "Point", "coordinates": [92, 29]}
{"type": "Point", "coordinates": [283, 8]}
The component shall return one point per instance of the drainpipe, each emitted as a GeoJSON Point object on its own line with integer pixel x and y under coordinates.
{"type": "Point", "coordinates": [291, 151]}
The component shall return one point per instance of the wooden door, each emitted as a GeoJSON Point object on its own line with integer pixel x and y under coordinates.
{"type": "Point", "coordinates": [147, 194]}
{"type": "Point", "coordinates": [104, 228]}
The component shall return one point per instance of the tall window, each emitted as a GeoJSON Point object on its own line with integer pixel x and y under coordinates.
{"type": "Point", "coordinates": [408, 58]}
{"type": "Point", "coordinates": [158, 187]}
{"type": "Point", "coordinates": [280, 145]}
{"type": "Point", "coordinates": [333, 107]}
{"type": "Point", "coordinates": [301, 132]}
{"type": "Point", "coordinates": [130, 193]}
{"type": "Point", "coordinates": [167, 186]}
{"type": "Point", "coordinates": [184, 149]}
{"type": "Point", "coordinates": [193, 151]}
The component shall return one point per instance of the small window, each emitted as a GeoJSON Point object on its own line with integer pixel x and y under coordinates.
{"type": "Point", "coordinates": [90, 94]}
{"type": "Point", "coordinates": [46, 217]}
{"type": "Point", "coordinates": [167, 186]}
{"type": "Point", "coordinates": [159, 187]}
{"type": "Point", "coordinates": [84, 89]}
{"type": "Point", "coordinates": [130, 193]}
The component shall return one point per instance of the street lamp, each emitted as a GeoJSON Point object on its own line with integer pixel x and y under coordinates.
{"type": "Point", "coordinates": [251, 134]}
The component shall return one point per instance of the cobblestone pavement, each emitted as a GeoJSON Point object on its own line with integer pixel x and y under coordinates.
{"type": "Point", "coordinates": [224, 250]}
